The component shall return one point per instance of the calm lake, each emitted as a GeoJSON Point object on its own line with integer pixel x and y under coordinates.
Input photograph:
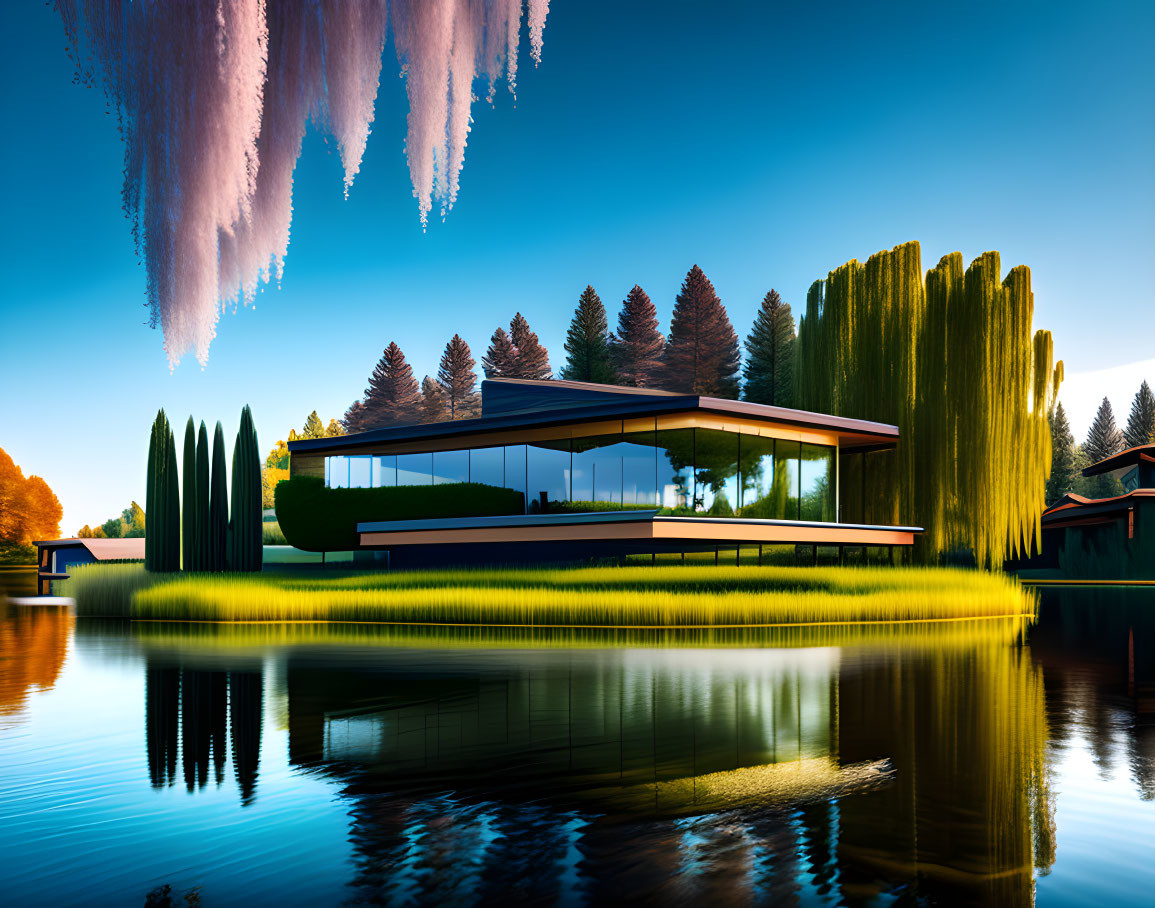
{"type": "Point", "coordinates": [975, 763]}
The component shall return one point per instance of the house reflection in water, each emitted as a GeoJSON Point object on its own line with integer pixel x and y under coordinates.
{"type": "Point", "coordinates": [193, 712]}
{"type": "Point", "coordinates": [744, 775]}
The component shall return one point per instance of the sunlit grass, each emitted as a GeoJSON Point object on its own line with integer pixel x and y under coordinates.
{"type": "Point", "coordinates": [670, 596]}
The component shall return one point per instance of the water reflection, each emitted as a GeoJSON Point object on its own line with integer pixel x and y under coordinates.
{"type": "Point", "coordinates": [33, 646]}
{"type": "Point", "coordinates": [207, 707]}
{"type": "Point", "coordinates": [917, 765]}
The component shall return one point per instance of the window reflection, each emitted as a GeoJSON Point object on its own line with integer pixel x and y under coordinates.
{"type": "Point", "coordinates": [337, 472]}
{"type": "Point", "coordinates": [384, 470]}
{"type": "Point", "coordinates": [515, 469]}
{"type": "Point", "coordinates": [675, 449]}
{"type": "Point", "coordinates": [487, 466]}
{"type": "Point", "coordinates": [786, 455]}
{"type": "Point", "coordinates": [816, 481]}
{"type": "Point", "coordinates": [450, 466]}
{"type": "Point", "coordinates": [548, 474]}
{"type": "Point", "coordinates": [762, 498]}
{"type": "Point", "coordinates": [597, 470]}
{"type": "Point", "coordinates": [414, 469]}
{"type": "Point", "coordinates": [716, 472]}
{"type": "Point", "coordinates": [359, 470]}
{"type": "Point", "coordinates": [639, 469]}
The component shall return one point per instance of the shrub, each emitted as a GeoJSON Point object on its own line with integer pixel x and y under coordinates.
{"type": "Point", "coordinates": [319, 519]}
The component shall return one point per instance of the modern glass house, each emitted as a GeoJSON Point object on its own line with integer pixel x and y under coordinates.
{"type": "Point", "coordinates": [623, 468]}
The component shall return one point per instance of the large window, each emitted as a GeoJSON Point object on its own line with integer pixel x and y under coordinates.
{"type": "Point", "coordinates": [716, 472]}
{"type": "Point", "coordinates": [548, 474]}
{"type": "Point", "coordinates": [703, 472]}
{"type": "Point", "coordinates": [597, 470]}
{"type": "Point", "coordinates": [450, 466]}
{"type": "Point", "coordinates": [816, 481]}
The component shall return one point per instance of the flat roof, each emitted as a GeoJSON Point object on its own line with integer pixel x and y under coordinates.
{"type": "Point", "coordinates": [1122, 460]}
{"type": "Point", "coordinates": [525, 404]}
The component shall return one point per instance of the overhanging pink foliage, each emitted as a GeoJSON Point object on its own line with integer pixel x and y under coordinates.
{"type": "Point", "coordinates": [213, 98]}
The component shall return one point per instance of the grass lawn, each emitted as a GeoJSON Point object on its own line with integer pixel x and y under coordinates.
{"type": "Point", "coordinates": [666, 596]}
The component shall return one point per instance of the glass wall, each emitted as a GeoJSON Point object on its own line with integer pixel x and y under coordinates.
{"type": "Point", "coordinates": [547, 474]}
{"type": "Point", "coordinates": [816, 483]}
{"type": "Point", "coordinates": [597, 470]}
{"type": "Point", "coordinates": [704, 472]}
{"type": "Point", "coordinates": [716, 472]}
{"type": "Point", "coordinates": [450, 466]}
{"type": "Point", "coordinates": [639, 470]}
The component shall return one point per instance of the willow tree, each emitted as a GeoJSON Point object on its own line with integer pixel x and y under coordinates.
{"type": "Point", "coordinates": [951, 359]}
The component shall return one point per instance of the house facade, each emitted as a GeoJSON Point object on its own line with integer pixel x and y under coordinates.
{"type": "Point", "coordinates": [625, 469]}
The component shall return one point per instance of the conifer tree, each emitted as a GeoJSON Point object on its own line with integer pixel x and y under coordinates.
{"type": "Point", "coordinates": [587, 344]}
{"type": "Point", "coordinates": [1065, 471]}
{"type": "Point", "coordinates": [1141, 423]}
{"type": "Point", "coordinates": [352, 421]}
{"type": "Point", "coordinates": [218, 504]}
{"type": "Point", "coordinates": [203, 526]}
{"type": "Point", "coordinates": [457, 379]}
{"type": "Point", "coordinates": [314, 428]}
{"type": "Point", "coordinates": [532, 359]}
{"type": "Point", "coordinates": [637, 345]}
{"type": "Point", "coordinates": [1103, 440]}
{"type": "Point", "coordinates": [245, 546]}
{"type": "Point", "coordinates": [500, 359]}
{"type": "Point", "coordinates": [432, 407]}
{"type": "Point", "coordinates": [188, 527]}
{"type": "Point", "coordinates": [333, 429]}
{"type": "Point", "coordinates": [769, 367]}
{"type": "Point", "coordinates": [1104, 437]}
{"type": "Point", "coordinates": [701, 354]}
{"type": "Point", "coordinates": [392, 396]}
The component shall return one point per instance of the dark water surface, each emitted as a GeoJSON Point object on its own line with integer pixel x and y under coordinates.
{"type": "Point", "coordinates": [313, 765]}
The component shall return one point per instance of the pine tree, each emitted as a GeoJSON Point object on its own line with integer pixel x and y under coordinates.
{"type": "Point", "coordinates": [352, 421]}
{"type": "Point", "coordinates": [188, 524]}
{"type": "Point", "coordinates": [314, 428]}
{"type": "Point", "coordinates": [500, 359]}
{"type": "Point", "coordinates": [392, 396]}
{"type": "Point", "coordinates": [532, 360]}
{"type": "Point", "coordinates": [1065, 472]}
{"type": "Point", "coordinates": [1104, 437]}
{"type": "Point", "coordinates": [638, 344]}
{"type": "Point", "coordinates": [201, 543]}
{"type": "Point", "coordinates": [587, 343]}
{"type": "Point", "coordinates": [432, 407]}
{"type": "Point", "coordinates": [218, 504]}
{"type": "Point", "coordinates": [1141, 423]}
{"type": "Point", "coordinates": [769, 368]}
{"type": "Point", "coordinates": [1103, 440]}
{"type": "Point", "coordinates": [333, 429]}
{"type": "Point", "coordinates": [702, 350]}
{"type": "Point", "coordinates": [457, 379]}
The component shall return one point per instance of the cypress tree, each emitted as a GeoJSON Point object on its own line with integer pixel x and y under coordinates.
{"type": "Point", "coordinates": [314, 428]}
{"type": "Point", "coordinates": [500, 360]}
{"type": "Point", "coordinates": [392, 396]}
{"type": "Point", "coordinates": [637, 345]}
{"type": "Point", "coordinates": [532, 360]}
{"type": "Point", "coordinates": [172, 507]}
{"type": "Point", "coordinates": [1141, 422]}
{"type": "Point", "coordinates": [432, 401]}
{"type": "Point", "coordinates": [1065, 472]}
{"type": "Point", "coordinates": [1104, 437]}
{"type": "Point", "coordinates": [245, 523]}
{"type": "Point", "coordinates": [152, 503]}
{"type": "Point", "coordinates": [701, 354]}
{"type": "Point", "coordinates": [457, 379]}
{"type": "Point", "coordinates": [202, 545]}
{"type": "Point", "coordinates": [587, 343]}
{"type": "Point", "coordinates": [188, 523]}
{"type": "Point", "coordinates": [218, 505]}
{"type": "Point", "coordinates": [769, 367]}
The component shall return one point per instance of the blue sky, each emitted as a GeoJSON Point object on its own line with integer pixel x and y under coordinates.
{"type": "Point", "coordinates": [766, 142]}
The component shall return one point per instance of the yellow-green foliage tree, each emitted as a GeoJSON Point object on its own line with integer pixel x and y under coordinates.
{"type": "Point", "coordinates": [951, 359]}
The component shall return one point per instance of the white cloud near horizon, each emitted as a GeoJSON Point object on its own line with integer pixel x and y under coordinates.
{"type": "Point", "coordinates": [1082, 392]}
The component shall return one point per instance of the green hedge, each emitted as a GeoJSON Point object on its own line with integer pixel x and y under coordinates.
{"type": "Point", "coordinates": [319, 519]}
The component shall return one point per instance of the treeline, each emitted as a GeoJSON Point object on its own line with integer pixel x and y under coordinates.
{"type": "Point", "coordinates": [276, 466]}
{"type": "Point", "coordinates": [198, 527]}
{"type": "Point", "coordinates": [29, 510]}
{"type": "Point", "coordinates": [1103, 440]}
{"type": "Point", "coordinates": [701, 354]}
{"type": "Point", "coordinates": [130, 524]}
